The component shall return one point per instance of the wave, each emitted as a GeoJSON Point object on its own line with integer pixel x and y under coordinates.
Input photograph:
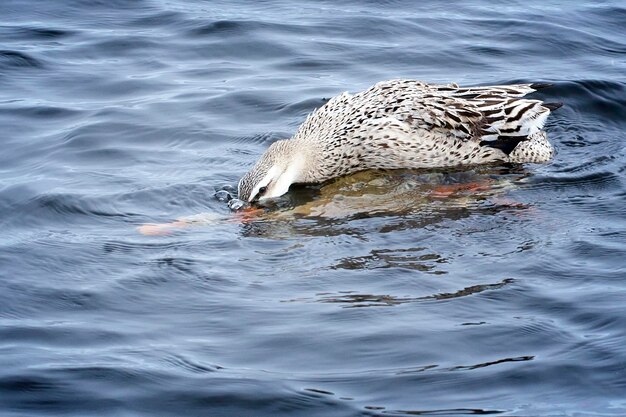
{"type": "Point", "coordinates": [10, 59]}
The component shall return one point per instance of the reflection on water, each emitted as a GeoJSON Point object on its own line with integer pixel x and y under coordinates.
{"type": "Point", "coordinates": [439, 412]}
{"type": "Point", "coordinates": [373, 193]}
{"type": "Point", "coordinates": [399, 200]}
{"type": "Point", "coordinates": [409, 258]}
{"type": "Point", "coordinates": [352, 299]}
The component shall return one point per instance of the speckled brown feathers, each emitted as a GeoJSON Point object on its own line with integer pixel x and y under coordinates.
{"type": "Point", "coordinates": [406, 124]}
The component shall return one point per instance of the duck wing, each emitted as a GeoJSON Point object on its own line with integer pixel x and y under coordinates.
{"type": "Point", "coordinates": [495, 116]}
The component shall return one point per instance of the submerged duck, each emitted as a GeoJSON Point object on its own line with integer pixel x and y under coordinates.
{"type": "Point", "coordinates": [400, 124]}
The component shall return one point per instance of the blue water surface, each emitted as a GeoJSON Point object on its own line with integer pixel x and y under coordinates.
{"type": "Point", "coordinates": [118, 113]}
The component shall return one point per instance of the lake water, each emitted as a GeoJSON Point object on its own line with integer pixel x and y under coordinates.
{"type": "Point", "coordinates": [376, 295]}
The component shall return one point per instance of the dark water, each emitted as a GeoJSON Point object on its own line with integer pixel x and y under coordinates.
{"type": "Point", "coordinates": [117, 113]}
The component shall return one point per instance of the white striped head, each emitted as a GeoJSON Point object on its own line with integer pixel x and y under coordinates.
{"type": "Point", "coordinates": [272, 175]}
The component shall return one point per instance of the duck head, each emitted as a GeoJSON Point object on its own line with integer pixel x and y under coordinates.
{"type": "Point", "coordinates": [280, 166]}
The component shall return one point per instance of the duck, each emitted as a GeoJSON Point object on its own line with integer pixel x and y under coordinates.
{"type": "Point", "coordinates": [405, 124]}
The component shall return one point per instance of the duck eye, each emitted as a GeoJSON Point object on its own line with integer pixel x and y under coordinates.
{"type": "Point", "coordinates": [262, 190]}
